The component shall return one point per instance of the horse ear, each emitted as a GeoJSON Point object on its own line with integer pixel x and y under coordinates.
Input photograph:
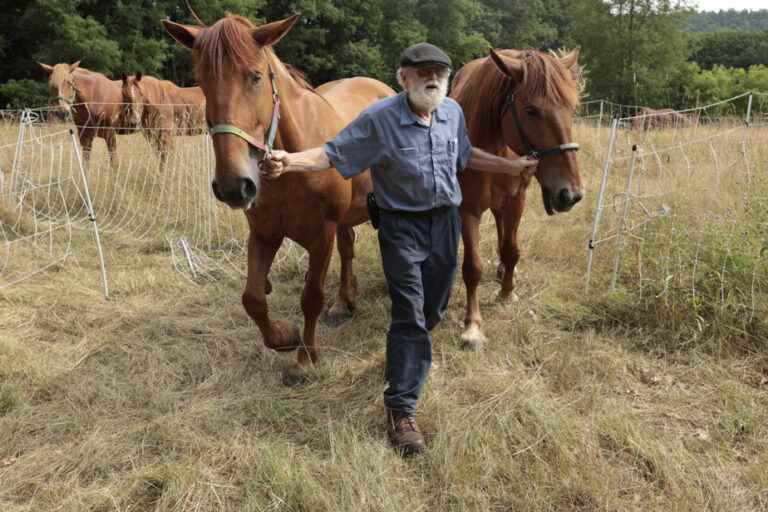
{"type": "Point", "coordinates": [74, 66]}
{"type": "Point", "coordinates": [124, 76]}
{"type": "Point", "coordinates": [185, 35]}
{"type": "Point", "coordinates": [48, 69]}
{"type": "Point", "coordinates": [138, 76]}
{"type": "Point", "coordinates": [512, 68]}
{"type": "Point", "coordinates": [271, 33]}
{"type": "Point", "coordinates": [571, 58]}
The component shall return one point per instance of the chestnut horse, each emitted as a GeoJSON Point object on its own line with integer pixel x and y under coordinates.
{"type": "Point", "coordinates": [163, 110]}
{"type": "Point", "coordinates": [94, 102]}
{"type": "Point", "coordinates": [252, 99]}
{"type": "Point", "coordinates": [651, 118]}
{"type": "Point", "coordinates": [523, 101]}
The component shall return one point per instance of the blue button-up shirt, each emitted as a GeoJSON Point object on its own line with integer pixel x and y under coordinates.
{"type": "Point", "coordinates": [413, 164]}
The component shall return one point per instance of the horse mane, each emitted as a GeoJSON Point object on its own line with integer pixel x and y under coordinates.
{"type": "Point", "coordinates": [298, 75]}
{"type": "Point", "coordinates": [228, 43]}
{"type": "Point", "coordinates": [483, 93]}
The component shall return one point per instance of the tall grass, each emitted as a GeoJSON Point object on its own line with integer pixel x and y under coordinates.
{"type": "Point", "coordinates": [164, 398]}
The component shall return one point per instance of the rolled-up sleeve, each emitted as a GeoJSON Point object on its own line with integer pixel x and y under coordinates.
{"type": "Point", "coordinates": [465, 146]}
{"type": "Point", "coordinates": [356, 148]}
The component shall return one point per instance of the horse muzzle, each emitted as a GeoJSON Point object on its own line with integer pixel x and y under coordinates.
{"type": "Point", "coordinates": [560, 201]}
{"type": "Point", "coordinates": [240, 192]}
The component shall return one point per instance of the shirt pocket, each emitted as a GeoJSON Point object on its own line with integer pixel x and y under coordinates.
{"type": "Point", "coordinates": [407, 160]}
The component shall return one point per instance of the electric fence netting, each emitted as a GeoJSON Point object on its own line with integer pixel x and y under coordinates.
{"type": "Point", "coordinates": [132, 198]}
{"type": "Point", "coordinates": [674, 185]}
{"type": "Point", "coordinates": [682, 207]}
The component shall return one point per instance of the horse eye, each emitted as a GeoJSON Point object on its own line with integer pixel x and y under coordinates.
{"type": "Point", "coordinates": [255, 76]}
{"type": "Point", "coordinates": [532, 111]}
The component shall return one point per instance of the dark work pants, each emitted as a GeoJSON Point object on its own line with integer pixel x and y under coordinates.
{"type": "Point", "coordinates": [418, 252]}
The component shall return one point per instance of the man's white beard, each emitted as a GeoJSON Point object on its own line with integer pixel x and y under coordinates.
{"type": "Point", "coordinates": [428, 100]}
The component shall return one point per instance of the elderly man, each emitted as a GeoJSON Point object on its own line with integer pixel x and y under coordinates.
{"type": "Point", "coordinates": [414, 143]}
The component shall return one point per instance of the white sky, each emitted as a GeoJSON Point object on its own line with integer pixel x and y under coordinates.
{"type": "Point", "coordinates": [716, 5]}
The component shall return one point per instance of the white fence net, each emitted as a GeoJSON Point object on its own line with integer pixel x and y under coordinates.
{"type": "Point", "coordinates": [696, 167]}
{"type": "Point", "coordinates": [134, 197]}
{"type": "Point", "coordinates": [682, 205]}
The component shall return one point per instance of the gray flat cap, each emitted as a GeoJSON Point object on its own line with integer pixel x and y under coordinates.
{"type": "Point", "coordinates": [424, 53]}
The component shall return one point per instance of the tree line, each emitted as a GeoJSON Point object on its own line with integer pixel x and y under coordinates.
{"type": "Point", "coordinates": [650, 52]}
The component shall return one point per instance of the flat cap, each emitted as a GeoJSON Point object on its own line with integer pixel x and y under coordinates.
{"type": "Point", "coordinates": [424, 53]}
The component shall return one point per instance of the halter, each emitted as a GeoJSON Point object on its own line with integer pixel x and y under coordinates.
{"type": "Point", "coordinates": [71, 100]}
{"type": "Point", "coordinates": [530, 149]}
{"type": "Point", "coordinates": [231, 129]}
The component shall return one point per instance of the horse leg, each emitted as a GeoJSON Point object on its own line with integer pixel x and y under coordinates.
{"type": "Point", "coordinates": [498, 216]}
{"type": "Point", "coordinates": [86, 143]}
{"type": "Point", "coordinates": [509, 250]}
{"type": "Point", "coordinates": [278, 335]}
{"type": "Point", "coordinates": [164, 146]}
{"type": "Point", "coordinates": [111, 139]}
{"type": "Point", "coordinates": [347, 299]}
{"type": "Point", "coordinates": [472, 270]}
{"type": "Point", "coordinates": [312, 302]}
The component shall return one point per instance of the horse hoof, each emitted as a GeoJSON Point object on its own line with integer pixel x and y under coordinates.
{"type": "Point", "coordinates": [294, 376]}
{"type": "Point", "coordinates": [287, 337]}
{"type": "Point", "coordinates": [473, 339]}
{"type": "Point", "coordinates": [337, 316]}
{"type": "Point", "coordinates": [500, 272]}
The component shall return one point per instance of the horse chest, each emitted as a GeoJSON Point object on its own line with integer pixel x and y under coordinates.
{"type": "Point", "coordinates": [295, 208]}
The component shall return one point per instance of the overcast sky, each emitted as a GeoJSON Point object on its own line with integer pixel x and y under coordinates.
{"type": "Point", "coordinates": [716, 5]}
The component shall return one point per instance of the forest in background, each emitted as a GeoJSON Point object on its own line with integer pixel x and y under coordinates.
{"type": "Point", "coordinates": [642, 52]}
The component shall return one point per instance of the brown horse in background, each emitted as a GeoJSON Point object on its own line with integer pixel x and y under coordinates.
{"type": "Point", "coordinates": [521, 101]}
{"type": "Point", "coordinates": [652, 118]}
{"type": "Point", "coordinates": [163, 110]}
{"type": "Point", "coordinates": [94, 101]}
{"type": "Point", "coordinates": [234, 62]}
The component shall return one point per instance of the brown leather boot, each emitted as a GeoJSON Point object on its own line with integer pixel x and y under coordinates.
{"type": "Point", "coordinates": [404, 433]}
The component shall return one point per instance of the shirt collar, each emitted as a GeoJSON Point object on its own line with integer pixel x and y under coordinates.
{"type": "Point", "coordinates": [408, 117]}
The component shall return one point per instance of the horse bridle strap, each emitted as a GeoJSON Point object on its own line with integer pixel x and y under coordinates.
{"type": "Point", "coordinates": [265, 148]}
{"type": "Point", "coordinates": [530, 149]}
{"type": "Point", "coordinates": [70, 100]}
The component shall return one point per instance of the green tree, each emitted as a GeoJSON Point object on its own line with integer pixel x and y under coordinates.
{"type": "Point", "coordinates": [729, 19]}
{"type": "Point", "coordinates": [72, 36]}
{"type": "Point", "coordinates": [731, 48]}
{"type": "Point", "coordinates": [631, 47]}
{"type": "Point", "coordinates": [526, 24]}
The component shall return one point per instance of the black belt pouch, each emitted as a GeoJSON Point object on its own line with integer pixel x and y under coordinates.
{"type": "Point", "coordinates": [373, 210]}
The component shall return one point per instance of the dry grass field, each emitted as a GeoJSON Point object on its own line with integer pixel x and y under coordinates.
{"type": "Point", "coordinates": [654, 397]}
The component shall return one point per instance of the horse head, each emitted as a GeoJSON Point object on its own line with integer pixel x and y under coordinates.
{"type": "Point", "coordinates": [134, 98]}
{"type": "Point", "coordinates": [537, 107]}
{"type": "Point", "coordinates": [235, 69]}
{"type": "Point", "coordinates": [61, 86]}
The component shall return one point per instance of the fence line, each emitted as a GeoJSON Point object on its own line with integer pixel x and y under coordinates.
{"type": "Point", "coordinates": [684, 188]}
{"type": "Point", "coordinates": [206, 240]}
{"type": "Point", "coordinates": [136, 199]}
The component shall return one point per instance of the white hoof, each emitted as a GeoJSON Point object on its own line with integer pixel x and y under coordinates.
{"type": "Point", "coordinates": [473, 338]}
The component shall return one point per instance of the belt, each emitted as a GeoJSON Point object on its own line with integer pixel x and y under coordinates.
{"type": "Point", "coordinates": [420, 213]}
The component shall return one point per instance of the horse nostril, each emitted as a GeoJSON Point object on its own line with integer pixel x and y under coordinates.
{"type": "Point", "coordinates": [578, 196]}
{"type": "Point", "coordinates": [564, 196]}
{"type": "Point", "coordinates": [216, 193]}
{"type": "Point", "coordinates": [248, 188]}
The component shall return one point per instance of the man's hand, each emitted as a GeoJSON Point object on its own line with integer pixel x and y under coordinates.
{"type": "Point", "coordinates": [274, 166]}
{"type": "Point", "coordinates": [526, 165]}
